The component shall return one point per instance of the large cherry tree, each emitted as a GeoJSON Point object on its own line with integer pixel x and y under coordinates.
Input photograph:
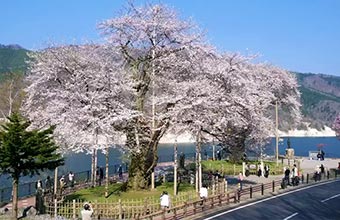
{"type": "Point", "coordinates": [161, 53]}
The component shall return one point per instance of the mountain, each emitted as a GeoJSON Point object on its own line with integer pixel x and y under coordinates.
{"type": "Point", "coordinates": [320, 98]}
{"type": "Point", "coordinates": [12, 58]}
{"type": "Point", "coordinates": [320, 94]}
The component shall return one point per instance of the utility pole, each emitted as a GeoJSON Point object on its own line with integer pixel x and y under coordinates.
{"type": "Point", "coordinates": [277, 132]}
{"type": "Point", "coordinates": [175, 168]}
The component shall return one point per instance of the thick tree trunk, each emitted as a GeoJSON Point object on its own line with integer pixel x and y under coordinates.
{"type": "Point", "coordinates": [145, 159]}
{"type": "Point", "coordinates": [15, 198]}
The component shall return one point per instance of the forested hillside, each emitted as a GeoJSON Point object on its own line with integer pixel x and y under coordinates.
{"type": "Point", "coordinates": [320, 94]}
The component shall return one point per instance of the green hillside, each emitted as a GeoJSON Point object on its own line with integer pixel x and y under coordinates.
{"type": "Point", "coordinates": [12, 59]}
{"type": "Point", "coordinates": [320, 94]}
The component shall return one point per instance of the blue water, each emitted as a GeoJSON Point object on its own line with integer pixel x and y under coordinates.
{"type": "Point", "coordinates": [302, 145]}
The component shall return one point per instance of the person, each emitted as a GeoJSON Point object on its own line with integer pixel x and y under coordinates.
{"type": "Point", "coordinates": [259, 171]}
{"type": "Point", "coordinates": [87, 212]}
{"type": "Point", "coordinates": [247, 171]}
{"type": "Point", "coordinates": [219, 157]}
{"type": "Point", "coordinates": [165, 200]}
{"type": "Point", "coordinates": [71, 179]}
{"type": "Point", "coordinates": [295, 176]}
{"type": "Point", "coordinates": [322, 169]}
{"type": "Point", "coordinates": [203, 192]}
{"type": "Point", "coordinates": [38, 185]}
{"type": "Point", "coordinates": [101, 175]}
{"type": "Point", "coordinates": [317, 172]}
{"type": "Point", "coordinates": [120, 172]}
{"type": "Point", "coordinates": [62, 184]}
{"type": "Point", "coordinates": [206, 154]}
{"type": "Point", "coordinates": [240, 180]}
{"type": "Point", "coordinates": [287, 173]}
{"type": "Point", "coordinates": [322, 155]}
{"type": "Point", "coordinates": [266, 171]}
{"type": "Point", "coordinates": [182, 160]}
{"type": "Point", "coordinates": [48, 185]}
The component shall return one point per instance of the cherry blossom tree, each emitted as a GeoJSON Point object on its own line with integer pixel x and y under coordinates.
{"type": "Point", "coordinates": [161, 54]}
{"type": "Point", "coordinates": [236, 110]}
{"type": "Point", "coordinates": [77, 89]}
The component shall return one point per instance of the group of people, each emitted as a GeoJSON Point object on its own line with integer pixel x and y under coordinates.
{"type": "Point", "coordinates": [263, 171]}
{"type": "Point", "coordinates": [291, 177]}
{"type": "Point", "coordinates": [319, 170]}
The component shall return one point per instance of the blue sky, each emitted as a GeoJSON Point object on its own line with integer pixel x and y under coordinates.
{"type": "Point", "coordinates": [298, 35]}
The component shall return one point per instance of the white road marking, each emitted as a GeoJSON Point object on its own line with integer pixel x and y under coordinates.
{"type": "Point", "coordinates": [264, 200]}
{"type": "Point", "coordinates": [291, 216]}
{"type": "Point", "coordinates": [330, 198]}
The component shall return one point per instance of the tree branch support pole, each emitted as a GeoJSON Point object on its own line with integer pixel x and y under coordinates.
{"type": "Point", "coordinates": [55, 182]}
{"type": "Point", "coordinates": [107, 172]}
{"type": "Point", "coordinates": [175, 168]}
{"type": "Point", "coordinates": [198, 162]}
{"type": "Point", "coordinates": [153, 98]}
{"type": "Point", "coordinates": [277, 132]}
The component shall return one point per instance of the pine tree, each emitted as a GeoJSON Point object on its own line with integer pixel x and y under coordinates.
{"type": "Point", "coordinates": [25, 152]}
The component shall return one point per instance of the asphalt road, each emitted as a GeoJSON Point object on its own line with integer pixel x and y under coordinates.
{"type": "Point", "coordinates": [320, 201]}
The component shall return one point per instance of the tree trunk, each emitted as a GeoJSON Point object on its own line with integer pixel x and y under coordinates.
{"type": "Point", "coordinates": [15, 198]}
{"type": "Point", "coordinates": [145, 159]}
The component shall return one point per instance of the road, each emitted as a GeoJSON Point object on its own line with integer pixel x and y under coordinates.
{"type": "Point", "coordinates": [320, 201]}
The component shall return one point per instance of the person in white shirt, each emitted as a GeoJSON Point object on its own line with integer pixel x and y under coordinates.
{"type": "Point", "coordinates": [71, 179]}
{"type": "Point", "coordinates": [165, 200]}
{"type": "Point", "coordinates": [203, 192]}
{"type": "Point", "coordinates": [87, 212]}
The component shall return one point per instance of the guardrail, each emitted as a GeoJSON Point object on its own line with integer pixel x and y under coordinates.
{"type": "Point", "coordinates": [236, 196]}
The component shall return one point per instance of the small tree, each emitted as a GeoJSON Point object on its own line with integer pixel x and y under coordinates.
{"type": "Point", "coordinates": [25, 152]}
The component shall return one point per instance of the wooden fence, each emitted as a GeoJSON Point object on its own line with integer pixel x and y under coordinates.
{"type": "Point", "coordinates": [183, 205]}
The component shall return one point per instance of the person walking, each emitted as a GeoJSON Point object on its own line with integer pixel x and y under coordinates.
{"type": "Point", "coordinates": [86, 212]}
{"type": "Point", "coordinates": [165, 200]}
{"type": "Point", "coordinates": [240, 180]}
{"type": "Point", "coordinates": [71, 179]}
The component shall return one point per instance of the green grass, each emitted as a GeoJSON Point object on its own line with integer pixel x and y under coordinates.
{"type": "Point", "coordinates": [227, 168]}
{"type": "Point", "coordinates": [98, 193]}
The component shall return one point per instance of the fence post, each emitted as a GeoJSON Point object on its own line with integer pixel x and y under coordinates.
{"type": "Point", "coordinates": [55, 208]}
{"type": "Point", "coordinates": [74, 208]}
{"type": "Point", "coordinates": [302, 178]}
{"type": "Point", "coordinates": [307, 178]}
{"type": "Point", "coordinates": [226, 186]}
{"type": "Point", "coordinates": [228, 198]}
{"type": "Point", "coordinates": [185, 208]}
{"type": "Point", "coordinates": [273, 186]}
{"type": "Point", "coordinates": [120, 209]}
{"type": "Point", "coordinates": [336, 173]}
{"type": "Point", "coordinates": [327, 176]}
{"type": "Point", "coordinates": [251, 192]}
{"type": "Point", "coordinates": [262, 189]}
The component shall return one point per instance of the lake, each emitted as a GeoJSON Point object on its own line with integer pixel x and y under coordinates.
{"type": "Point", "coordinates": [302, 145]}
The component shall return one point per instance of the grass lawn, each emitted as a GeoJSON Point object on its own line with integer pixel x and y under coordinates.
{"type": "Point", "coordinates": [98, 193]}
{"type": "Point", "coordinates": [228, 168]}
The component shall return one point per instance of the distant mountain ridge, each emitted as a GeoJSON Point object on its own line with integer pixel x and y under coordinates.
{"type": "Point", "coordinates": [320, 94]}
